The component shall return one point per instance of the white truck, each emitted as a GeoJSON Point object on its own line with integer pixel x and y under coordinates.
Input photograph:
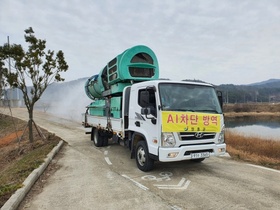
{"type": "Point", "coordinates": [158, 120]}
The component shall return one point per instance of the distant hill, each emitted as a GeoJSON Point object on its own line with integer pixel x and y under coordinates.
{"type": "Point", "coordinates": [266, 91]}
{"type": "Point", "coordinates": [270, 82]}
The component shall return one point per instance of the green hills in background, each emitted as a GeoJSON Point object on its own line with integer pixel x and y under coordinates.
{"type": "Point", "coordinates": [266, 91]}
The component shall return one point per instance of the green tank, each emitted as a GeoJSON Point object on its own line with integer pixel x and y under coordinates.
{"type": "Point", "coordinates": [135, 64]}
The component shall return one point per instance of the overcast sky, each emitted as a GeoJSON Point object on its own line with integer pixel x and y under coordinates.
{"type": "Point", "coordinates": [217, 41]}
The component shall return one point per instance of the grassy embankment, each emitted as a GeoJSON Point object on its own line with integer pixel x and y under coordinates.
{"type": "Point", "coordinates": [19, 159]}
{"type": "Point", "coordinates": [253, 149]}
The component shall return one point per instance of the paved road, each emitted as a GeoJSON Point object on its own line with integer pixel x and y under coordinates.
{"type": "Point", "coordinates": [106, 178]}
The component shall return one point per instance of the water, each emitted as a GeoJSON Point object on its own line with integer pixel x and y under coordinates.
{"type": "Point", "coordinates": [267, 128]}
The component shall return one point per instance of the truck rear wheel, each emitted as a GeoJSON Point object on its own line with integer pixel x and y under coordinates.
{"type": "Point", "coordinates": [97, 139]}
{"type": "Point", "coordinates": [105, 141]}
{"type": "Point", "coordinates": [143, 161]}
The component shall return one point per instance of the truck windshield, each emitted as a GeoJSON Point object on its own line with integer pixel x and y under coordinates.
{"type": "Point", "coordinates": [189, 97]}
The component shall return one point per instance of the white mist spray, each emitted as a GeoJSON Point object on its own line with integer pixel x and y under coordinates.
{"type": "Point", "coordinates": [67, 100]}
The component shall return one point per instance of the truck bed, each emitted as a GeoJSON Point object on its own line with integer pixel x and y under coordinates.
{"type": "Point", "coordinates": [98, 121]}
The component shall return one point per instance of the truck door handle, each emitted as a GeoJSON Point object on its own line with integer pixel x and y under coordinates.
{"type": "Point", "coordinates": [137, 123]}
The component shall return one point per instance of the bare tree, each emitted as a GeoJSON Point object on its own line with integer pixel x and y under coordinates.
{"type": "Point", "coordinates": [36, 65]}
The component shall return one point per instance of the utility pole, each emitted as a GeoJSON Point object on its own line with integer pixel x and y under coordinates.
{"type": "Point", "coordinates": [227, 96]}
{"type": "Point", "coordinates": [11, 89]}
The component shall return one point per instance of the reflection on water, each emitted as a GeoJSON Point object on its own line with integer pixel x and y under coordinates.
{"type": "Point", "coordinates": [268, 128]}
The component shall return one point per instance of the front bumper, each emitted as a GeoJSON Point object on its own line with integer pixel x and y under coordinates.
{"type": "Point", "coordinates": [184, 152]}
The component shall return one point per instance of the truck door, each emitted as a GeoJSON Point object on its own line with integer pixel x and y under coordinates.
{"type": "Point", "coordinates": [146, 119]}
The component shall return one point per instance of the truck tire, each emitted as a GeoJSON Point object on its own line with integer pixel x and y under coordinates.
{"type": "Point", "coordinates": [92, 134]}
{"type": "Point", "coordinates": [97, 139]}
{"type": "Point", "coordinates": [143, 160]}
{"type": "Point", "coordinates": [105, 141]}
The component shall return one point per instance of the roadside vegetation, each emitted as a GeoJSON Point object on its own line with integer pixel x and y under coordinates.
{"type": "Point", "coordinates": [252, 108]}
{"type": "Point", "coordinates": [253, 149]}
{"type": "Point", "coordinates": [19, 158]}
{"type": "Point", "coordinates": [40, 65]}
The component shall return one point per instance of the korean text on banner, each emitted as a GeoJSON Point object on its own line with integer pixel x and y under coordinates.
{"type": "Point", "coordinates": [190, 122]}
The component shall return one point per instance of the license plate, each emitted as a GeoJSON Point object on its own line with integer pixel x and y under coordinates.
{"type": "Point", "coordinates": [200, 155]}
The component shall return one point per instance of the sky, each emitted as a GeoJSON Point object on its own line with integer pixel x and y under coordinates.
{"type": "Point", "coordinates": [217, 41]}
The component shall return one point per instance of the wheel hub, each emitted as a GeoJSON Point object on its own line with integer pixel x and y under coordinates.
{"type": "Point", "coordinates": [141, 156]}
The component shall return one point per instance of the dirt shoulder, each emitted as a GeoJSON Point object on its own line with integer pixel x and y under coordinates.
{"type": "Point", "coordinates": [18, 157]}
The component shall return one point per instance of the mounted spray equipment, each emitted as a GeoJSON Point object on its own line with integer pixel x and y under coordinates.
{"type": "Point", "coordinates": [134, 65]}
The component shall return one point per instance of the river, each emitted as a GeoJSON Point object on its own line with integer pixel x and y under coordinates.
{"type": "Point", "coordinates": [266, 128]}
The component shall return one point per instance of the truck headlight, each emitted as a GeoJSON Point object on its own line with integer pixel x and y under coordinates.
{"type": "Point", "coordinates": [167, 140]}
{"type": "Point", "coordinates": [221, 138]}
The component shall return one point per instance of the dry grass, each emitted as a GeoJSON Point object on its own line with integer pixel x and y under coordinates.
{"type": "Point", "coordinates": [17, 161]}
{"type": "Point", "coordinates": [252, 107]}
{"type": "Point", "coordinates": [255, 150]}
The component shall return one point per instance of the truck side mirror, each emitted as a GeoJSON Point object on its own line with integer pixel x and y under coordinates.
{"type": "Point", "coordinates": [220, 98]}
{"type": "Point", "coordinates": [146, 111]}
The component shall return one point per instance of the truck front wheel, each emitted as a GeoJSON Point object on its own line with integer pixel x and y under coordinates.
{"type": "Point", "coordinates": [143, 161]}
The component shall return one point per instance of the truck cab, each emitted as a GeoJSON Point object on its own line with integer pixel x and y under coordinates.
{"type": "Point", "coordinates": [173, 121]}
